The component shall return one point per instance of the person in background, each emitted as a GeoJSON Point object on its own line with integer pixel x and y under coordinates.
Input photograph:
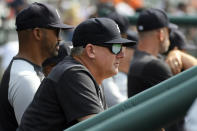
{"type": "Point", "coordinates": [179, 60]}
{"type": "Point", "coordinates": [7, 52]}
{"type": "Point", "coordinates": [185, 61]}
{"type": "Point", "coordinates": [122, 21]}
{"type": "Point", "coordinates": [17, 5]}
{"type": "Point", "coordinates": [146, 69]}
{"type": "Point", "coordinates": [71, 92]}
{"type": "Point", "coordinates": [38, 28]}
{"type": "Point", "coordinates": [177, 42]}
{"type": "Point", "coordinates": [182, 9]}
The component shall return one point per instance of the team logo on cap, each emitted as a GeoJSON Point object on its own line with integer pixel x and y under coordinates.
{"type": "Point", "coordinates": [118, 28]}
{"type": "Point", "coordinates": [57, 13]}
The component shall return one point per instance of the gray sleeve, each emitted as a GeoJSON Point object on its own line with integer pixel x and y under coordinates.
{"type": "Point", "coordinates": [21, 92]}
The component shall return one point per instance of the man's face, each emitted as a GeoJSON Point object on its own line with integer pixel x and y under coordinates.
{"type": "Point", "coordinates": [50, 43]}
{"type": "Point", "coordinates": [166, 42]}
{"type": "Point", "coordinates": [107, 62]}
{"type": "Point", "coordinates": [125, 62]}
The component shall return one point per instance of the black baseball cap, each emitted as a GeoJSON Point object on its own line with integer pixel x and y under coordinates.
{"type": "Point", "coordinates": [122, 21]}
{"type": "Point", "coordinates": [133, 35]}
{"type": "Point", "coordinates": [99, 31]}
{"type": "Point", "coordinates": [177, 39]}
{"type": "Point", "coordinates": [153, 18]}
{"type": "Point", "coordinates": [39, 15]}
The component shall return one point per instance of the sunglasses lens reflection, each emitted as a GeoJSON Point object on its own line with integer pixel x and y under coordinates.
{"type": "Point", "coordinates": [116, 48]}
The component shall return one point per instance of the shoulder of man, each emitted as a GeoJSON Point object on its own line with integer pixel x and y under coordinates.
{"type": "Point", "coordinates": [63, 66]}
{"type": "Point", "coordinates": [139, 62]}
{"type": "Point", "coordinates": [158, 67]}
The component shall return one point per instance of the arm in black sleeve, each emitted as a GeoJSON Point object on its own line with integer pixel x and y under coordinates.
{"type": "Point", "coordinates": [78, 94]}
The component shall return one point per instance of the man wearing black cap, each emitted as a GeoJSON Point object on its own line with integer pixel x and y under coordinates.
{"type": "Point", "coordinates": [177, 42]}
{"type": "Point", "coordinates": [146, 69]}
{"type": "Point", "coordinates": [38, 28]}
{"type": "Point", "coordinates": [71, 92]}
{"type": "Point", "coordinates": [115, 87]}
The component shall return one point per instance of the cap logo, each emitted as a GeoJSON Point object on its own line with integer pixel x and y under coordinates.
{"type": "Point", "coordinates": [118, 28]}
{"type": "Point", "coordinates": [140, 27]}
{"type": "Point", "coordinates": [57, 13]}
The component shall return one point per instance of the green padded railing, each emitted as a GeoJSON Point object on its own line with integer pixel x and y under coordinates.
{"type": "Point", "coordinates": [137, 99]}
{"type": "Point", "coordinates": [154, 113]}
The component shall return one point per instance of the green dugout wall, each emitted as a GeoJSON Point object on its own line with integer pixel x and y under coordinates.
{"type": "Point", "coordinates": [154, 113]}
{"type": "Point", "coordinates": [151, 109]}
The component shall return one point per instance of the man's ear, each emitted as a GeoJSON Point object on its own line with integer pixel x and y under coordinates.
{"type": "Point", "coordinates": [37, 33]}
{"type": "Point", "coordinates": [90, 50]}
{"type": "Point", "coordinates": [161, 35]}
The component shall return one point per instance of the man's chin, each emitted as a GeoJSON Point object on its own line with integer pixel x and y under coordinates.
{"type": "Point", "coordinates": [112, 73]}
{"type": "Point", "coordinates": [115, 72]}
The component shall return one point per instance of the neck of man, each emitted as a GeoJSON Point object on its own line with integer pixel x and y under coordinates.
{"type": "Point", "coordinates": [30, 53]}
{"type": "Point", "coordinates": [149, 46]}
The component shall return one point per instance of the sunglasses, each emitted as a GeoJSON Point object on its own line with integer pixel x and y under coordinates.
{"type": "Point", "coordinates": [114, 48]}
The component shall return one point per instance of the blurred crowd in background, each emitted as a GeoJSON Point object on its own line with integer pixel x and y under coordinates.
{"type": "Point", "coordinates": [75, 11]}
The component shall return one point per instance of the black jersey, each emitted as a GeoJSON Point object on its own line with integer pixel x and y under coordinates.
{"type": "Point", "coordinates": [146, 71]}
{"type": "Point", "coordinates": [69, 92]}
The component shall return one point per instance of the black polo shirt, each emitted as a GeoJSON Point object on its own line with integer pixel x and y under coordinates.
{"type": "Point", "coordinates": [68, 93]}
{"type": "Point", "coordinates": [146, 71]}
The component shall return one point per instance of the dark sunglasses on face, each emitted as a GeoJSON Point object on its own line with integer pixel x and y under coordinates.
{"type": "Point", "coordinates": [114, 48]}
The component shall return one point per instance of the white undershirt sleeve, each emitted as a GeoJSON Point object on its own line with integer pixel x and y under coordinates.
{"type": "Point", "coordinates": [112, 93]}
{"type": "Point", "coordinates": [21, 92]}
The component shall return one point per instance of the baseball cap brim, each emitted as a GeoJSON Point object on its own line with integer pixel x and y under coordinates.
{"type": "Point", "coordinates": [61, 26]}
{"type": "Point", "coordinates": [123, 41]}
